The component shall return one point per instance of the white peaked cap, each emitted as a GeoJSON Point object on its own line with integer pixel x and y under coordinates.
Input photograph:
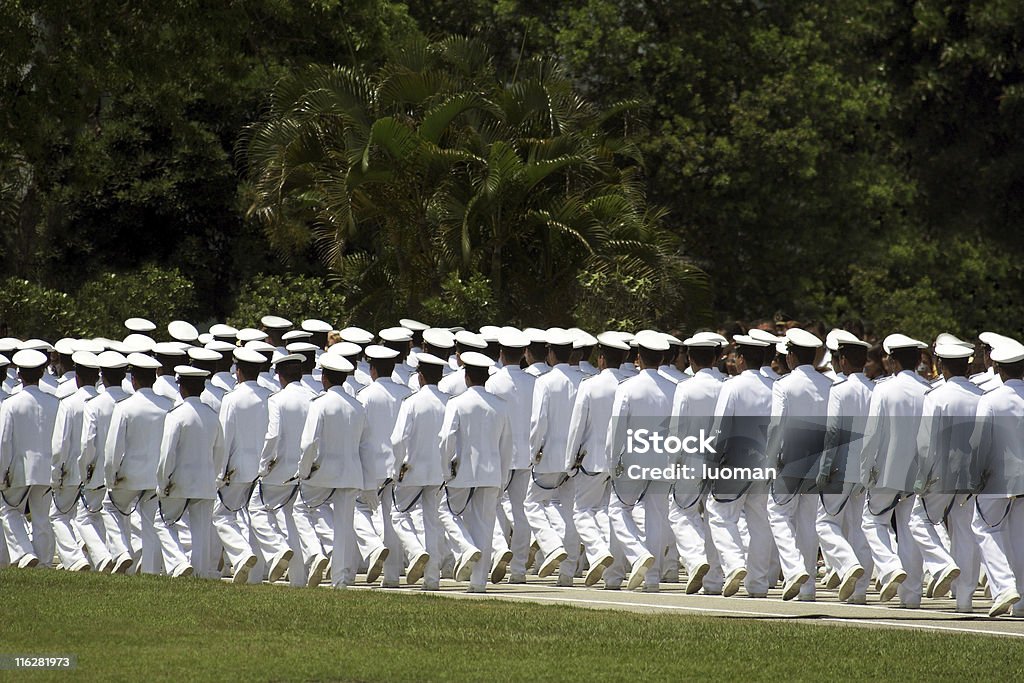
{"type": "Point", "coordinates": [282, 356]}
{"type": "Point", "coordinates": [168, 349]}
{"type": "Point", "coordinates": [301, 347]}
{"type": "Point", "coordinates": [222, 330]}
{"type": "Point", "coordinates": [220, 346]}
{"type": "Point", "coordinates": [112, 359]}
{"type": "Point", "coordinates": [90, 345]}
{"type": "Point", "coordinates": [953, 351]}
{"type": "Point", "coordinates": [439, 338]}
{"type": "Point", "coordinates": [356, 335]}
{"type": "Point", "coordinates": [799, 337]}
{"type": "Point", "coordinates": [139, 343]}
{"type": "Point", "coordinates": [141, 360]}
{"type": "Point", "coordinates": [581, 339]}
{"type": "Point", "coordinates": [313, 325]}
{"type": "Point", "coordinates": [513, 339]}
{"type": "Point", "coordinates": [295, 335]}
{"type": "Point", "coordinates": [654, 341]}
{"type": "Point", "coordinates": [901, 341]}
{"type": "Point", "coordinates": [30, 358]}
{"type": "Point", "coordinates": [1008, 351]}
{"type": "Point", "coordinates": [536, 335]}
{"type": "Point", "coordinates": [466, 338]}
{"type": "Point", "coordinates": [431, 359]}
{"type": "Point", "coordinates": [947, 338]}
{"type": "Point", "coordinates": [248, 334]}
{"type": "Point", "coordinates": [335, 362]}
{"type": "Point", "coordinates": [259, 345]}
{"type": "Point", "coordinates": [204, 355]}
{"type": "Point", "coordinates": [190, 371]}
{"type": "Point", "coordinates": [764, 335]}
{"type": "Point", "coordinates": [476, 360]}
{"type": "Point", "coordinates": [748, 340]}
{"type": "Point", "coordinates": [414, 325]}
{"type": "Point", "coordinates": [65, 346]}
{"type": "Point", "coordinates": [244, 355]}
{"type": "Point", "coordinates": [139, 325]}
{"type": "Point", "coordinates": [395, 334]}
{"type": "Point", "coordinates": [837, 338]}
{"type": "Point", "coordinates": [558, 336]}
{"type": "Point", "coordinates": [613, 340]}
{"type": "Point", "coordinates": [344, 348]}
{"type": "Point", "coordinates": [86, 359]}
{"type": "Point", "coordinates": [183, 331]}
{"type": "Point", "coordinates": [35, 345]}
{"type": "Point", "coordinates": [378, 352]}
{"type": "Point", "coordinates": [275, 322]}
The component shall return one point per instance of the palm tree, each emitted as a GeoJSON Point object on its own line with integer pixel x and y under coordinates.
{"type": "Point", "coordinates": [433, 165]}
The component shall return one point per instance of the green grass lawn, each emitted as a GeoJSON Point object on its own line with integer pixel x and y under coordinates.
{"type": "Point", "coordinates": [144, 628]}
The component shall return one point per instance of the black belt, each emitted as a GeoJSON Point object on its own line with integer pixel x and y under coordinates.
{"type": "Point", "coordinates": [846, 499]}
{"type": "Point", "coordinates": [244, 505]}
{"type": "Point", "coordinates": [160, 507]}
{"type": "Point", "coordinates": [394, 501]}
{"type": "Point", "coordinates": [287, 500]}
{"type": "Point", "coordinates": [945, 513]}
{"type": "Point", "coordinates": [1009, 504]}
{"type": "Point", "coordinates": [448, 502]}
{"type": "Point", "coordinates": [639, 498]}
{"type": "Point", "coordinates": [892, 506]}
{"type": "Point", "coordinates": [73, 501]}
{"type": "Point", "coordinates": [533, 475]}
{"type": "Point", "coordinates": [138, 500]}
{"type": "Point", "coordinates": [86, 504]}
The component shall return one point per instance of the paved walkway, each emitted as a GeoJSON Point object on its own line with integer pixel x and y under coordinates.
{"type": "Point", "coordinates": [935, 615]}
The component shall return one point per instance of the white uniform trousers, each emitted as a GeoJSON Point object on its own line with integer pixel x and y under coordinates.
{"type": "Point", "coordinates": [309, 506]}
{"type": "Point", "coordinates": [842, 538]}
{"type": "Point", "coordinates": [119, 509]}
{"type": "Point", "coordinates": [640, 536]}
{"type": "Point", "coordinates": [926, 526]}
{"type": "Point", "coordinates": [724, 523]}
{"type": "Point", "coordinates": [368, 524]}
{"type": "Point", "coordinates": [548, 507]}
{"type": "Point", "coordinates": [424, 499]}
{"type": "Point", "coordinates": [513, 504]}
{"type": "Point", "coordinates": [15, 521]}
{"type": "Point", "coordinates": [394, 564]}
{"type": "Point", "coordinates": [231, 521]}
{"type": "Point", "coordinates": [879, 513]}
{"type": "Point", "coordinates": [91, 527]}
{"type": "Point", "coordinates": [344, 555]}
{"type": "Point", "coordinates": [63, 510]}
{"type": "Point", "coordinates": [272, 520]}
{"type": "Point", "coordinates": [792, 519]}
{"type": "Point", "coordinates": [1000, 542]}
{"type": "Point", "coordinates": [693, 538]}
{"type": "Point", "coordinates": [468, 517]}
{"type": "Point", "coordinates": [200, 526]}
{"type": "Point", "coordinates": [589, 514]}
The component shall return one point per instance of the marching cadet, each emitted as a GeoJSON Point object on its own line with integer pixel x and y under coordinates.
{"type": "Point", "coordinates": [330, 473]}
{"type": "Point", "coordinates": [351, 353]}
{"type": "Point", "coordinates": [66, 477]}
{"type": "Point", "coordinates": [26, 428]}
{"type": "Point", "coordinates": [894, 417]}
{"type": "Point", "coordinates": [454, 383]}
{"type": "Point", "coordinates": [65, 366]}
{"type": "Point", "coordinates": [419, 473]}
{"type": "Point", "coordinates": [997, 447]}
{"type": "Point", "coordinates": [583, 346]}
{"type": "Point", "coordinates": [399, 339]}
{"type": "Point", "coordinates": [586, 458]}
{"type": "Point", "coordinates": [440, 342]}
{"type": "Point", "coordinates": [769, 351]}
{"type": "Point", "coordinates": [742, 415]}
{"type": "Point", "coordinates": [130, 456]}
{"type": "Point", "coordinates": [170, 355]}
{"type": "Point", "coordinates": [537, 351]}
{"type": "Point", "coordinates": [191, 456]}
{"type": "Point", "coordinates": [272, 503]}
{"type": "Point", "coordinates": [476, 442]}
{"type": "Point", "coordinates": [92, 521]}
{"type": "Point", "coordinates": [693, 411]}
{"type": "Point", "coordinates": [550, 491]}
{"type": "Point", "coordinates": [222, 377]}
{"type": "Point", "coordinates": [381, 400]}
{"type": "Point", "coordinates": [674, 357]}
{"type": "Point", "coordinates": [643, 401]}
{"type": "Point", "coordinates": [841, 504]}
{"type": "Point", "coordinates": [357, 335]}
{"type": "Point", "coordinates": [943, 484]}
{"type": "Point", "coordinates": [207, 360]}
{"type": "Point", "coordinates": [244, 419]}
{"type": "Point", "coordinates": [795, 439]}
{"type": "Point", "coordinates": [267, 378]}
{"type": "Point", "coordinates": [515, 386]}
{"type": "Point", "coordinates": [308, 365]}
{"type": "Point", "coordinates": [276, 327]}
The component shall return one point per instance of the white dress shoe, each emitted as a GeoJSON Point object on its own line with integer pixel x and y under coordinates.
{"type": "Point", "coordinates": [241, 574]}
{"type": "Point", "coordinates": [1003, 603]}
{"type": "Point", "coordinates": [639, 571]}
{"type": "Point", "coordinates": [944, 581]}
{"type": "Point", "coordinates": [595, 573]}
{"type": "Point", "coordinates": [891, 585]}
{"type": "Point", "coordinates": [695, 579]}
{"type": "Point", "coordinates": [848, 583]}
{"type": "Point", "coordinates": [465, 564]}
{"type": "Point", "coordinates": [123, 563]}
{"type": "Point", "coordinates": [500, 566]}
{"type": "Point", "coordinates": [376, 564]}
{"type": "Point", "coordinates": [415, 571]}
{"type": "Point", "coordinates": [792, 588]}
{"type": "Point", "coordinates": [316, 571]}
{"type": "Point", "coordinates": [734, 581]}
{"type": "Point", "coordinates": [279, 565]}
{"type": "Point", "coordinates": [551, 563]}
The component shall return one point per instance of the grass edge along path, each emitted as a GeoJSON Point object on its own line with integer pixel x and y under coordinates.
{"type": "Point", "coordinates": [154, 628]}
